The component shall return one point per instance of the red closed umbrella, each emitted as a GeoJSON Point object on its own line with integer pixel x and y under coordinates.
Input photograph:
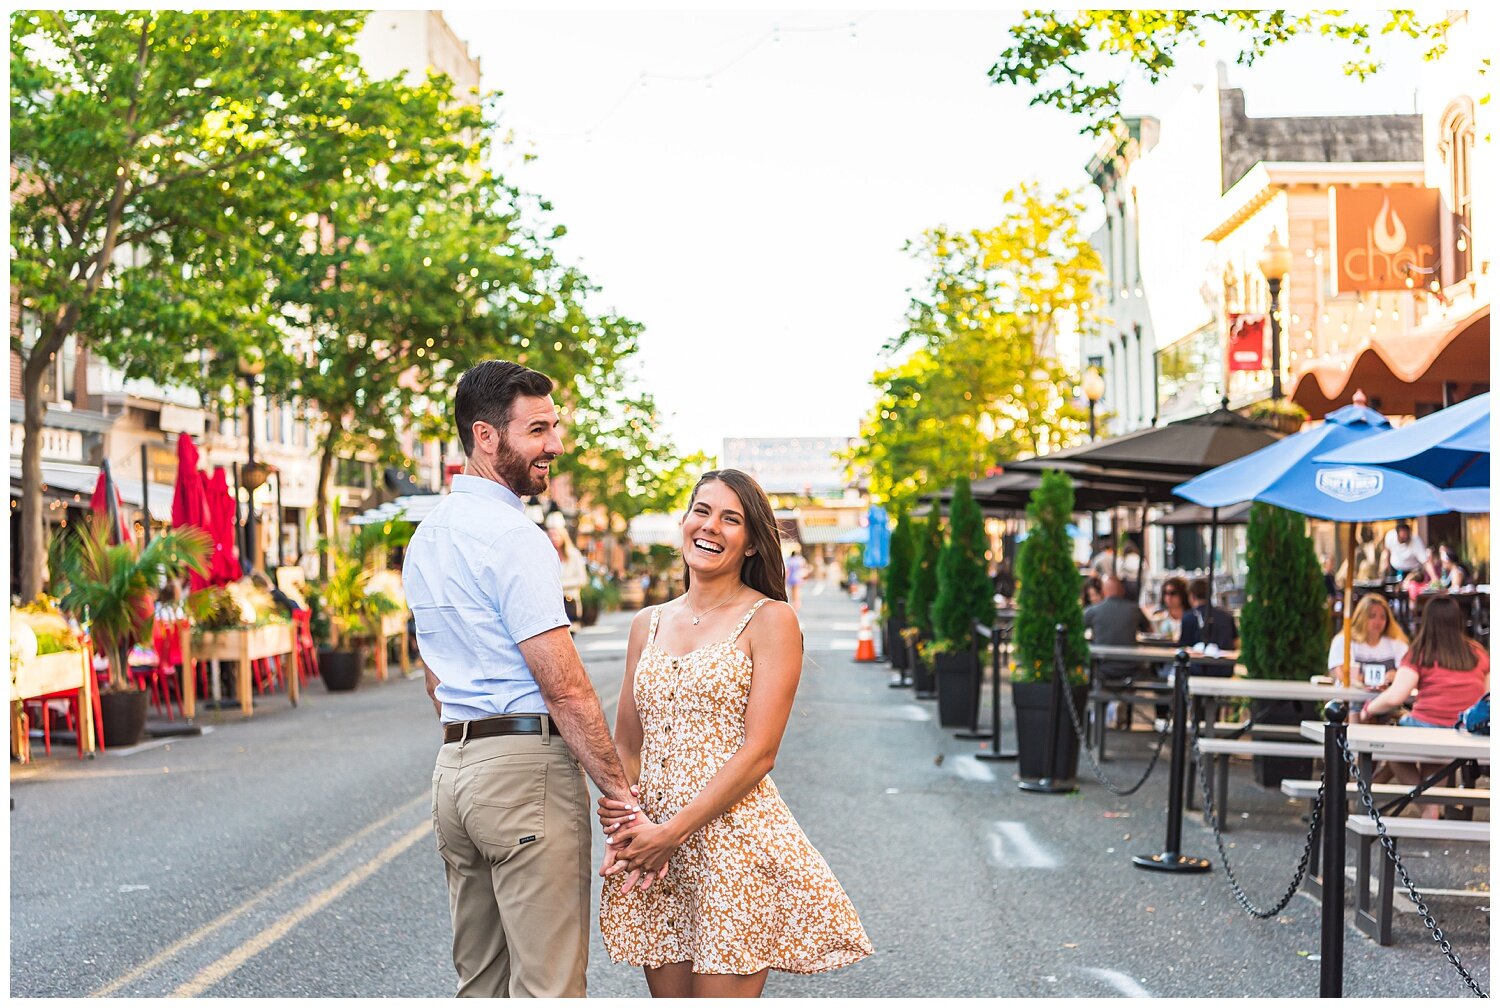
{"type": "Point", "coordinates": [106, 501]}
{"type": "Point", "coordinates": [190, 501]}
{"type": "Point", "coordinates": [226, 562]}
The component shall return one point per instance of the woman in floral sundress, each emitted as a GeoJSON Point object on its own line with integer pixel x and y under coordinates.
{"type": "Point", "coordinates": [709, 683]}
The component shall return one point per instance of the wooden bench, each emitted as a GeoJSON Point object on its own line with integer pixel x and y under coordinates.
{"type": "Point", "coordinates": [1378, 924]}
{"type": "Point", "coordinates": [1218, 750]}
{"type": "Point", "coordinates": [1102, 693]}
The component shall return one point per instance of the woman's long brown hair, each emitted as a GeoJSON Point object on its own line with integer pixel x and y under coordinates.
{"type": "Point", "coordinates": [766, 570]}
{"type": "Point", "coordinates": [1440, 641]}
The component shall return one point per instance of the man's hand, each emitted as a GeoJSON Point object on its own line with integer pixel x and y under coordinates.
{"type": "Point", "coordinates": [432, 685]}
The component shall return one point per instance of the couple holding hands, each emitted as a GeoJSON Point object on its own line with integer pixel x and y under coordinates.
{"type": "Point", "coordinates": [709, 881]}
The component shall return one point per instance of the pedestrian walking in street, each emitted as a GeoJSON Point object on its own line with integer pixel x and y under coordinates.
{"type": "Point", "coordinates": [510, 807]}
{"type": "Point", "coordinates": [796, 573]}
{"type": "Point", "coordinates": [575, 572]}
{"type": "Point", "coordinates": [709, 683]}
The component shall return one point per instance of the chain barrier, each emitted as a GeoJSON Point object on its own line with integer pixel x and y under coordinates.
{"type": "Point", "coordinates": [1213, 821]}
{"type": "Point", "coordinates": [1110, 786]}
{"type": "Point", "coordinates": [1390, 849]}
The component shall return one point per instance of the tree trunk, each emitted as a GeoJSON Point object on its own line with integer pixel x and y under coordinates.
{"type": "Point", "coordinates": [33, 519]}
{"type": "Point", "coordinates": [325, 480]}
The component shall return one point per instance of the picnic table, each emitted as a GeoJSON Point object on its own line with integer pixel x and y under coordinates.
{"type": "Point", "coordinates": [242, 647]}
{"type": "Point", "coordinates": [50, 675]}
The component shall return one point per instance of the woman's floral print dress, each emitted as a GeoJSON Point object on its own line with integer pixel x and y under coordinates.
{"type": "Point", "coordinates": [747, 891]}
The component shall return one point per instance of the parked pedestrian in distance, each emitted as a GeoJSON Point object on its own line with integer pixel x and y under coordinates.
{"type": "Point", "coordinates": [699, 733]}
{"type": "Point", "coordinates": [796, 573]}
{"type": "Point", "coordinates": [510, 807]}
{"type": "Point", "coordinates": [1093, 594]}
{"type": "Point", "coordinates": [575, 572]}
{"type": "Point", "coordinates": [1103, 560]}
{"type": "Point", "coordinates": [1129, 570]}
{"type": "Point", "coordinates": [1405, 553]}
{"type": "Point", "coordinates": [1204, 624]}
{"type": "Point", "coordinates": [1446, 668]}
{"type": "Point", "coordinates": [1166, 620]}
{"type": "Point", "coordinates": [1115, 620]}
{"type": "Point", "coordinates": [1378, 645]}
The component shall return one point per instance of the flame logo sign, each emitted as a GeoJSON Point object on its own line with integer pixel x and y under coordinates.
{"type": "Point", "coordinates": [1389, 233]}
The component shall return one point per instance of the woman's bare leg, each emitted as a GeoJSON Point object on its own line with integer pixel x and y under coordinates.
{"type": "Point", "coordinates": [674, 980]}
{"type": "Point", "coordinates": [729, 985]}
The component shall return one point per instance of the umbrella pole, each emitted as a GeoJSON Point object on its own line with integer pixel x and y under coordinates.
{"type": "Point", "coordinates": [145, 494]}
{"type": "Point", "coordinates": [1213, 559]}
{"type": "Point", "coordinates": [1348, 602]}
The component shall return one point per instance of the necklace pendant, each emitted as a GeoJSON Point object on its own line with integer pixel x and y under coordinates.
{"type": "Point", "coordinates": [695, 620]}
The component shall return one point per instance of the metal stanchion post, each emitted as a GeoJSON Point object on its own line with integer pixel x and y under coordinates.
{"type": "Point", "coordinates": [999, 637]}
{"type": "Point", "coordinates": [1171, 859]}
{"type": "Point", "coordinates": [1048, 783]}
{"type": "Point", "coordinates": [1335, 780]}
{"type": "Point", "coordinates": [973, 732]}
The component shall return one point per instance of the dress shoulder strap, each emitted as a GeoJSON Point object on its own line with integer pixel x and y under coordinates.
{"type": "Point", "coordinates": [655, 618]}
{"type": "Point", "coordinates": [744, 621]}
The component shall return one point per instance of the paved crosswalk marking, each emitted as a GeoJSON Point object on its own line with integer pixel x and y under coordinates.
{"type": "Point", "coordinates": [1011, 846]}
{"type": "Point", "coordinates": [1119, 981]}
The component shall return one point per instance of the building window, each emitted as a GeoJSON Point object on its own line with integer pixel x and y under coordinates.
{"type": "Point", "coordinates": [1457, 150]}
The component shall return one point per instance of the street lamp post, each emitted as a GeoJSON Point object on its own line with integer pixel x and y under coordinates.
{"type": "Point", "coordinates": [1093, 391]}
{"type": "Point", "coordinates": [1275, 263]}
{"type": "Point", "coordinates": [253, 475]}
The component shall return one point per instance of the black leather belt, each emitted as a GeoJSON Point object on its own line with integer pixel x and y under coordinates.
{"type": "Point", "coordinates": [505, 724]}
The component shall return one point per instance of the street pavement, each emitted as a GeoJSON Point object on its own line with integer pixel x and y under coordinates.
{"type": "Point", "coordinates": [292, 856]}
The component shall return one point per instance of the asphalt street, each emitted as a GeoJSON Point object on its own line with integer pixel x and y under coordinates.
{"type": "Point", "coordinates": [292, 855]}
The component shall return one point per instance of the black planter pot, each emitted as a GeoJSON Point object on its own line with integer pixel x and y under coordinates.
{"type": "Point", "coordinates": [957, 688]}
{"type": "Point", "coordinates": [895, 647]}
{"type": "Point", "coordinates": [341, 670]}
{"type": "Point", "coordinates": [123, 717]}
{"type": "Point", "coordinates": [1270, 771]}
{"type": "Point", "coordinates": [1033, 703]}
{"type": "Point", "coordinates": [588, 615]}
{"type": "Point", "coordinates": [921, 673]}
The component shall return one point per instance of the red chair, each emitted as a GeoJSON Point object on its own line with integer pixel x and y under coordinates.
{"type": "Point", "coordinates": [307, 650]}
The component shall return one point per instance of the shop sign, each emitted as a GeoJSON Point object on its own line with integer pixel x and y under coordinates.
{"type": "Point", "coordinates": [1384, 237]}
{"type": "Point", "coordinates": [178, 420]}
{"type": "Point", "coordinates": [1247, 341]}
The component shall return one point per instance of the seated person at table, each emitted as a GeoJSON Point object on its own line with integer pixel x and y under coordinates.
{"type": "Point", "coordinates": [1092, 593]}
{"type": "Point", "coordinates": [1166, 620]}
{"type": "Point", "coordinates": [1378, 647]}
{"type": "Point", "coordinates": [1205, 624]}
{"type": "Point", "coordinates": [1453, 573]}
{"type": "Point", "coordinates": [1448, 670]}
{"type": "Point", "coordinates": [1116, 620]}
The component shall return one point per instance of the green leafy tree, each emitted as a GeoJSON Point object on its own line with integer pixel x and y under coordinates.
{"type": "Point", "coordinates": [923, 591]}
{"type": "Point", "coordinates": [1053, 51]}
{"type": "Point", "coordinates": [983, 382]}
{"type": "Point", "coordinates": [1284, 626]}
{"type": "Point", "coordinates": [898, 571]}
{"type": "Point", "coordinates": [153, 154]}
{"type": "Point", "coordinates": [964, 595]}
{"type": "Point", "coordinates": [1049, 589]}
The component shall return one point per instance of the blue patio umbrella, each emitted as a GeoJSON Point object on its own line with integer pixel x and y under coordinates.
{"type": "Point", "coordinates": [878, 544]}
{"type": "Point", "coordinates": [1449, 448]}
{"type": "Point", "coordinates": [1289, 474]}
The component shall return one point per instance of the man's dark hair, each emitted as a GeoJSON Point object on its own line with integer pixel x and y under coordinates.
{"type": "Point", "coordinates": [1198, 588]}
{"type": "Point", "coordinates": [1402, 525]}
{"type": "Point", "coordinates": [488, 390]}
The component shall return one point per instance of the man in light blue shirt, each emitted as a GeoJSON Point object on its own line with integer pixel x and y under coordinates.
{"type": "Point", "coordinates": [521, 721]}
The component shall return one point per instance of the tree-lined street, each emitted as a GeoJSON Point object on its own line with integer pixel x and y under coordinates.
{"type": "Point", "coordinates": [292, 855]}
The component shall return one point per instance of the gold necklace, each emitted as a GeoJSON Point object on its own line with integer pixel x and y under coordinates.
{"type": "Point", "coordinates": [698, 616]}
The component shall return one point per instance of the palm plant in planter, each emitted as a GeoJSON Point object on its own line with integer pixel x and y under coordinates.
{"type": "Point", "coordinates": [110, 588]}
{"type": "Point", "coordinates": [928, 538]}
{"type": "Point", "coordinates": [1049, 592]}
{"type": "Point", "coordinates": [1284, 626]}
{"type": "Point", "coordinates": [964, 597]}
{"type": "Point", "coordinates": [897, 587]}
{"type": "Point", "coordinates": [352, 613]}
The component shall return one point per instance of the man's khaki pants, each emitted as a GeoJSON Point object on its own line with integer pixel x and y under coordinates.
{"type": "Point", "coordinates": [512, 821]}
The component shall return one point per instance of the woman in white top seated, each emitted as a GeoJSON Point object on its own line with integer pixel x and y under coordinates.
{"type": "Point", "coordinates": [1379, 644]}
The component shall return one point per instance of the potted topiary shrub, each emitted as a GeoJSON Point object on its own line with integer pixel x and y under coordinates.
{"type": "Point", "coordinates": [347, 612]}
{"type": "Point", "coordinates": [919, 599]}
{"type": "Point", "coordinates": [1281, 414]}
{"type": "Point", "coordinates": [1048, 592]}
{"type": "Point", "coordinates": [964, 597]}
{"type": "Point", "coordinates": [1284, 626]}
{"type": "Point", "coordinates": [897, 587]}
{"type": "Point", "coordinates": [110, 590]}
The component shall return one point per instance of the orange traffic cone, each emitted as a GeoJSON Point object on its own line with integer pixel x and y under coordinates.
{"type": "Point", "coordinates": [864, 651]}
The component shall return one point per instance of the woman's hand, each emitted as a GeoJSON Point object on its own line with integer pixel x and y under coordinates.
{"type": "Point", "coordinates": [613, 813]}
{"type": "Point", "coordinates": [644, 847]}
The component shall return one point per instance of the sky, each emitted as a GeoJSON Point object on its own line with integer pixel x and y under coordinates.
{"type": "Point", "coordinates": [754, 222]}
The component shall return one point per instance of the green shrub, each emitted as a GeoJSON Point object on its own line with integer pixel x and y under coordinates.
{"type": "Point", "coordinates": [898, 571]}
{"type": "Point", "coordinates": [923, 591]}
{"type": "Point", "coordinates": [1284, 628]}
{"type": "Point", "coordinates": [965, 595]}
{"type": "Point", "coordinates": [1049, 589]}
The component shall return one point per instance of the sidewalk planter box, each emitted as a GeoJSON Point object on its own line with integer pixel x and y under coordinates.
{"type": "Point", "coordinates": [243, 647]}
{"type": "Point", "coordinates": [341, 670]}
{"type": "Point", "coordinates": [957, 676]}
{"type": "Point", "coordinates": [921, 673]}
{"type": "Point", "coordinates": [1270, 771]}
{"type": "Point", "coordinates": [123, 715]}
{"type": "Point", "coordinates": [1033, 702]}
{"type": "Point", "coordinates": [46, 675]}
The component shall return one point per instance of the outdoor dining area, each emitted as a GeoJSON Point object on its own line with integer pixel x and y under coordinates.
{"type": "Point", "coordinates": [1361, 699]}
{"type": "Point", "coordinates": [144, 634]}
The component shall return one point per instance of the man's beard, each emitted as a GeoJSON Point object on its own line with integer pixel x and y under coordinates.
{"type": "Point", "coordinates": [515, 469]}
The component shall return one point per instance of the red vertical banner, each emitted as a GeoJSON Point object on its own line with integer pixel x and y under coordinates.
{"type": "Point", "coordinates": [450, 470]}
{"type": "Point", "coordinates": [1247, 341]}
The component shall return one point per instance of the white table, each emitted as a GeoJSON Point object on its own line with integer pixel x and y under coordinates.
{"type": "Point", "coordinates": [1158, 653]}
{"type": "Point", "coordinates": [1275, 689]}
{"type": "Point", "coordinates": [1400, 740]}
